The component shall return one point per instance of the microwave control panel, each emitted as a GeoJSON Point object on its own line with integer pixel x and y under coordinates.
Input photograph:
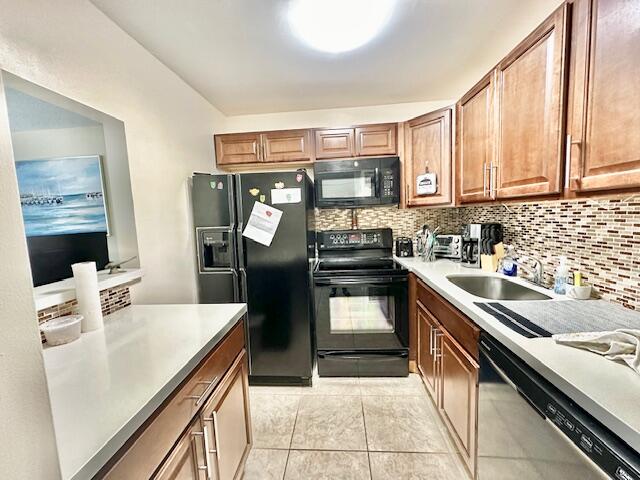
{"type": "Point", "coordinates": [388, 187]}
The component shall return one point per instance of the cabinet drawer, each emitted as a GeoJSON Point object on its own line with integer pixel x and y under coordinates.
{"type": "Point", "coordinates": [148, 447]}
{"type": "Point", "coordinates": [463, 330]}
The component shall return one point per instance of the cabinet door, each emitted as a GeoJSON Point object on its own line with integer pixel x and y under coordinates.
{"type": "Point", "coordinates": [335, 143]}
{"type": "Point", "coordinates": [186, 461]}
{"type": "Point", "coordinates": [605, 115]}
{"type": "Point", "coordinates": [229, 426]}
{"type": "Point", "coordinates": [376, 139]}
{"type": "Point", "coordinates": [237, 148]}
{"type": "Point", "coordinates": [474, 141]}
{"type": "Point", "coordinates": [428, 150]}
{"type": "Point", "coordinates": [287, 146]}
{"type": "Point", "coordinates": [427, 329]}
{"type": "Point", "coordinates": [459, 396]}
{"type": "Point", "coordinates": [531, 84]}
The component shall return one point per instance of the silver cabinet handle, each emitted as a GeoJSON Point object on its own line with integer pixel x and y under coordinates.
{"type": "Point", "coordinates": [214, 418]}
{"type": "Point", "coordinates": [201, 397]}
{"type": "Point", "coordinates": [431, 341]}
{"type": "Point", "coordinates": [214, 421]}
{"type": "Point", "coordinates": [485, 167]}
{"type": "Point", "coordinates": [493, 181]}
{"type": "Point", "coordinates": [206, 451]}
{"type": "Point", "coordinates": [438, 351]}
{"type": "Point", "coordinates": [205, 467]}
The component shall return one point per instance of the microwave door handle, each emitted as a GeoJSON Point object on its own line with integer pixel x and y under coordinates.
{"type": "Point", "coordinates": [376, 180]}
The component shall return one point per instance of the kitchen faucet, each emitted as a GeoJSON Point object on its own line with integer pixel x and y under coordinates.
{"type": "Point", "coordinates": [537, 273]}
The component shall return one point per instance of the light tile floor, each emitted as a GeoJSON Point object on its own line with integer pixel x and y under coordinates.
{"type": "Point", "coordinates": [349, 429]}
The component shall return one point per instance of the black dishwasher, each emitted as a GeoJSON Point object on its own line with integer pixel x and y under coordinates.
{"type": "Point", "coordinates": [529, 430]}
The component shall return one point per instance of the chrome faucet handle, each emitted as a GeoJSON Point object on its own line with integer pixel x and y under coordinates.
{"type": "Point", "coordinates": [114, 267]}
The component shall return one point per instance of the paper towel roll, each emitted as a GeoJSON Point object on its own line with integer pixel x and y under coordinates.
{"type": "Point", "coordinates": [88, 295]}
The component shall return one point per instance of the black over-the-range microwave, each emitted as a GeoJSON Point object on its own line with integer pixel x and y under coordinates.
{"type": "Point", "coordinates": [356, 182]}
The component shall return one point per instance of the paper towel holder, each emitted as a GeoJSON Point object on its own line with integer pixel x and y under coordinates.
{"type": "Point", "coordinates": [115, 267]}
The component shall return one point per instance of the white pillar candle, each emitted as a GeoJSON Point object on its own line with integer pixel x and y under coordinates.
{"type": "Point", "coordinates": [88, 295]}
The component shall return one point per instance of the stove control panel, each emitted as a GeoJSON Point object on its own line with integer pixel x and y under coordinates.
{"type": "Point", "coordinates": [355, 239]}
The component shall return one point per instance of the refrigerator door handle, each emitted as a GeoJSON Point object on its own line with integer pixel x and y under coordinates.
{"type": "Point", "coordinates": [244, 295]}
{"type": "Point", "coordinates": [241, 260]}
{"type": "Point", "coordinates": [236, 287]}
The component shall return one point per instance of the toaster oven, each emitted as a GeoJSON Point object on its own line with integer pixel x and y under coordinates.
{"type": "Point", "coordinates": [448, 246]}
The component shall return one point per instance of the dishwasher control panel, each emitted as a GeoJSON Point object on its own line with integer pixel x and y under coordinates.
{"type": "Point", "coordinates": [593, 444]}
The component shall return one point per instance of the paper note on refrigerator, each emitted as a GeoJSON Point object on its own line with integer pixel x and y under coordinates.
{"type": "Point", "coordinates": [286, 195]}
{"type": "Point", "coordinates": [263, 223]}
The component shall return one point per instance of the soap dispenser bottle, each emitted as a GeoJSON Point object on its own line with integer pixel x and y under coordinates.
{"type": "Point", "coordinates": [561, 278]}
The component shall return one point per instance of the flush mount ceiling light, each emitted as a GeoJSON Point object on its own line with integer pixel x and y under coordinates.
{"type": "Point", "coordinates": [337, 26]}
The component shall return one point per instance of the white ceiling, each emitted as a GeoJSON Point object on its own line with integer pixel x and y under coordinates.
{"type": "Point", "coordinates": [242, 56]}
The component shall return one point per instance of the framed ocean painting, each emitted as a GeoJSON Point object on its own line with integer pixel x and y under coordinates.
{"type": "Point", "coordinates": [61, 196]}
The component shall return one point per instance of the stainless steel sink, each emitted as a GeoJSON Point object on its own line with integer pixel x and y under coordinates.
{"type": "Point", "coordinates": [495, 288]}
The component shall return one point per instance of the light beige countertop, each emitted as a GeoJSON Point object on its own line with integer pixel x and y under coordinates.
{"type": "Point", "coordinates": [609, 391]}
{"type": "Point", "coordinates": [104, 385]}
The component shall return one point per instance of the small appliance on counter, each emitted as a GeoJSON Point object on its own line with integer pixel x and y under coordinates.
{"type": "Point", "coordinates": [479, 239]}
{"type": "Point", "coordinates": [362, 320]}
{"type": "Point", "coordinates": [404, 247]}
{"type": "Point", "coordinates": [448, 246]}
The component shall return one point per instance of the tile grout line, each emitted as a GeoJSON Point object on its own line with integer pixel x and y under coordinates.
{"type": "Point", "coordinates": [366, 437]}
{"type": "Point", "coordinates": [293, 431]}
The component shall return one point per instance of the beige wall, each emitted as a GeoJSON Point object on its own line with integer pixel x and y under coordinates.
{"type": "Point", "coordinates": [27, 441]}
{"type": "Point", "coordinates": [334, 117]}
{"type": "Point", "coordinates": [72, 48]}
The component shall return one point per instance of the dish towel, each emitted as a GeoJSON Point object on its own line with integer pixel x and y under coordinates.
{"type": "Point", "coordinates": [620, 345]}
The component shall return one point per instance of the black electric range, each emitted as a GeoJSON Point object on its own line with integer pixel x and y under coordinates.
{"type": "Point", "coordinates": [361, 305]}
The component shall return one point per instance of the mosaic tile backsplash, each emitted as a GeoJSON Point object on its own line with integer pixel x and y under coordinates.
{"type": "Point", "coordinates": [600, 237]}
{"type": "Point", "coordinates": [111, 300]}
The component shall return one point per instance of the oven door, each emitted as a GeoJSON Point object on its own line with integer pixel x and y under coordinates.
{"type": "Point", "coordinates": [361, 313]}
{"type": "Point", "coordinates": [347, 188]}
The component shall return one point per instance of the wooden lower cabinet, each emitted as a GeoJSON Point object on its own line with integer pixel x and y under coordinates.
{"type": "Point", "coordinates": [202, 431]}
{"type": "Point", "coordinates": [427, 366]}
{"type": "Point", "coordinates": [186, 460]}
{"type": "Point", "coordinates": [459, 396]}
{"type": "Point", "coordinates": [448, 364]}
{"type": "Point", "coordinates": [227, 425]}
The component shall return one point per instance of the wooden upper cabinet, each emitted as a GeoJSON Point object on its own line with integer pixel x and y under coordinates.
{"type": "Point", "coordinates": [287, 146]}
{"type": "Point", "coordinates": [237, 148]}
{"type": "Point", "coordinates": [428, 149]}
{"type": "Point", "coordinates": [335, 143]}
{"type": "Point", "coordinates": [376, 139]}
{"type": "Point", "coordinates": [474, 141]}
{"type": "Point", "coordinates": [530, 85]}
{"type": "Point", "coordinates": [604, 118]}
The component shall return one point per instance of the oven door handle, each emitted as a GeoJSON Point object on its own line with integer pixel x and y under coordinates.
{"type": "Point", "coordinates": [351, 355]}
{"type": "Point", "coordinates": [376, 180]}
{"type": "Point", "coordinates": [360, 281]}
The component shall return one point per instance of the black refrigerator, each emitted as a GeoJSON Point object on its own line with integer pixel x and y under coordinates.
{"type": "Point", "coordinates": [275, 281]}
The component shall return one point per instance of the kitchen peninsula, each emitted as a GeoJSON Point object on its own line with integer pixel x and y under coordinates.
{"type": "Point", "coordinates": [112, 387]}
